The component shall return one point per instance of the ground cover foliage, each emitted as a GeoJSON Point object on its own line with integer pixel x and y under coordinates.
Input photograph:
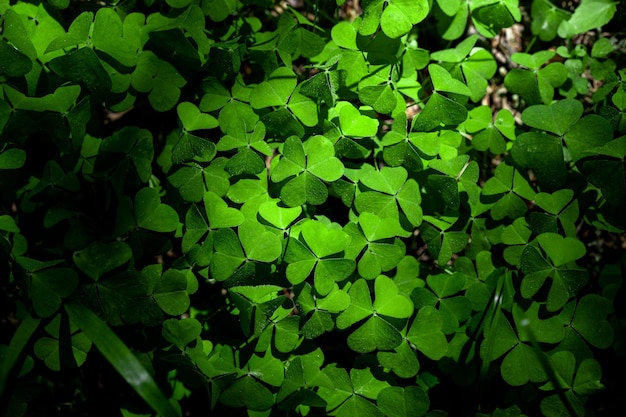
{"type": "Point", "coordinates": [376, 208]}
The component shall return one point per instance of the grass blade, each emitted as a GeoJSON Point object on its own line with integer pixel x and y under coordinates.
{"type": "Point", "coordinates": [122, 359]}
{"type": "Point", "coordinates": [14, 354]}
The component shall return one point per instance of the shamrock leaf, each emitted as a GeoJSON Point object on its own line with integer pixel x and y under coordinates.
{"type": "Point", "coordinates": [278, 216]}
{"type": "Point", "coordinates": [322, 240]}
{"type": "Point", "coordinates": [258, 243]}
{"type": "Point", "coordinates": [590, 14]}
{"type": "Point", "coordinates": [218, 212]}
{"type": "Point", "coordinates": [546, 19]}
{"type": "Point", "coordinates": [388, 301]}
{"type": "Point", "coordinates": [48, 348]}
{"type": "Point", "coordinates": [151, 214]}
{"type": "Point", "coordinates": [170, 292]}
{"type": "Point", "coordinates": [318, 165]}
{"type": "Point", "coordinates": [109, 36]}
{"type": "Point", "coordinates": [181, 332]}
{"type": "Point", "coordinates": [590, 320]}
{"type": "Point", "coordinates": [566, 281]}
{"type": "Point", "coordinates": [228, 255]}
{"type": "Point", "coordinates": [48, 285]}
{"type": "Point", "coordinates": [248, 392]}
{"type": "Point", "coordinates": [256, 304]}
{"type": "Point", "coordinates": [487, 133]}
{"type": "Point", "coordinates": [360, 305]}
{"type": "Point", "coordinates": [323, 253]}
{"type": "Point", "coordinates": [99, 258]}
{"type": "Point", "coordinates": [454, 309]}
{"type": "Point", "coordinates": [382, 252]}
{"type": "Point", "coordinates": [12, 158]}
{"type": "Point", "coordinates": [353, 123]}
{"type": "Point", "coordinates": [586, 135]}
{"type": "Point", "coordinates": [426, 335]}
{"type": "Point", "coordinates": [498, 189]}
{"type": "Point", "coordinates": [490, 18]}
{"type": "Point", "coordinates": [573, 383]}
{"type": "Point", "coordinates": [535, 85]}
{"type": "Point", "coordinates": [129, 143]}
{"type": "Point", "coordinates": [402, 360]}
{"type": "Point", "coordinates": [14, 62]}
{"type": "Point", "coordinates": [193, 119]}
{"type": "Point", "coordinates": [555, 118]}
{"type": "Point", "coordinates": [411, 401]}
{"type": "Point", "coordinates": [561, 250]}
{"type": "Point", "coordinates": [444, 82]}
{"type": "Point", "coordinates": [275, 91]}
{"type": "Point", "coordinates": [443, 243]}
{"type": "Point", "coordinates": [395, 191]}
{"type": "Point", "coordinates": [440, 111]}
{"type": "Point", "coordinates": [158, 78]}
{"type": "Point", "coordinates": [397, 18]}
{"type": "Point", "coordinates": [377, 332]}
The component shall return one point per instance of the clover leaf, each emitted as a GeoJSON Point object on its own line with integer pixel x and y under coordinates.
{"type": "Point", "coordinates": [535, 85]}
{"type": "Point", "coordinates": [249, 390]}
{"type": "Point", "coordinates": [556, 118]}
{"type": "Point", "coordinates": [99, 258]}
{"type": "Point", "coordinates": [219, 214]}
{"type": "Point", "coordinates": [375, 235]}
{"type": "Point", "coordinates": [546, 19]}
{"type": "Point", "coordinates": [590, 322]}
{"type": "Point", "coordinates": [278, 91]}
{"type": "Point", "coordinates": [311, 163]}
{"type": "Point", "coordinates": [453, 308]}
{"type": "Point", "coordinates": [171, 294]}
{"type": "Point", "coordinates": [588, 15]}
{"type": "Point", "coordinates": [318, 309]}
{"type": "Point", "coordinates": [351, 394]}
{"type": "Point", "coordinates": [254, 243]}
{"type": "Point", "coordinates": [396, 19]}
{"type": "Point", "coordinates": [489, 17]}
{"type": "Point", "coordinates": [521, 363]}
{"type": "Point", "coordinates": [322, 252]}
{"type": "Point", "coordinates": [129, 143]}
{"type": "Point", "coordinates": [377, 332]}
{"type": "Point", "coordinates": [153, 215]}
{"type": "Point", "coordinates": [193, 119]}
{"type": "Point", "coordinates": [473, 66]}
{"type": "Point", "coordinates": [562, 210]}
{"type": "Point", "coordinates": [181, 332]}
{"type": "Point", "coordinates": [441, 111]}
{"type": "Point", "coordinates": [158, 78]}
{"type": "Point", "coordinates": [442, 242]}
{"type": "Point", "coordinates": [411, 401]}
{"type": "Point", "coordinates": [256, 304]}
{"type": "Point", "coordinates": [353, 123]}
{"type": "Point", "coordinates": [402, 360]}
{"type": "Point", "coordinates": [575, 383]}
{"type": "Point", "coordinates": [426, 333]}
{"type": "Point", "coordinates": [487, 133]}
{"type": "Point", "coordinates": [516, 235]}
{"type": "Point", "coordinates": [461, 171]}
{"type": "Point", "coordinates": [246, 161]}
{"type": "Point", "coordinates": [391, 190]}
{"type": "Point", "coordinates": [48, 285]}
{"type": "Point", "coordinates": [506, 190]}
{"type": "Point", "coordinates": [258, 243]}
{"type": "Point", "coordinates": [14, 62]}
{"type": "Point", "coordinates": [48, 348]}
{"type": "Point", "coordinates": [566, 280]}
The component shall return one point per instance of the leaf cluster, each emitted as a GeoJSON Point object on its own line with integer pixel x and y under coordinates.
{"type": "Point", "coordinates": [309, 210]}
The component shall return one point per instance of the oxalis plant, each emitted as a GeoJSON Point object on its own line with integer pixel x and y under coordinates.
{"type": "Point", "coordinates": [376, 208]}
